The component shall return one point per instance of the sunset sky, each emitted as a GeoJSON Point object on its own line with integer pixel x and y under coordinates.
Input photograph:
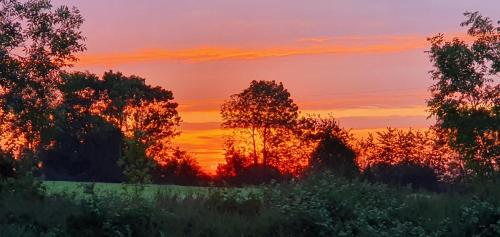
{"type": "Point", "coordinates": [362, 61]}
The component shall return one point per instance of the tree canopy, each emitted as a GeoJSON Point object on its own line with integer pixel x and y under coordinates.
{"type": "Point", "coordinates": [331, 144]}
{"type": "Point", "coordinates": [265, 112]}
{"type": "Point", "coordinates": [142, 117]}
{"type": "Point", "coordinates": [466, 95]}
{"type": "Point", "coordinates": [36, 41]}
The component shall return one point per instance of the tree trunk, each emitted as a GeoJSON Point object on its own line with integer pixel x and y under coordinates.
{"type": "Point", "coordinates": [264, 147]}
{"type": "Point", "coordinates": [255, 160]}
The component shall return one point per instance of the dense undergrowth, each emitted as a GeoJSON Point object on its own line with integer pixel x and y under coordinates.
{"type": "Point", "coordinates": [317, 206]}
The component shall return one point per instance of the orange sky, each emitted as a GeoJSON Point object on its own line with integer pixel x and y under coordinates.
{"type": "Point", "coordinates": [362, 61]}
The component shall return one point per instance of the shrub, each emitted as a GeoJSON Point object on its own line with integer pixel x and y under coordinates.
{"type": "Point", "coordinates": [259, 174]}
{"type": "Point", "coordinates": [416, 175]}
{"type": "Point", "coordinates": [7, 166]}
{"type": "Point", "coordinates": [181, 168]}
{"type": "Point", "coordinates": [136, 164]}
{"type": "Point", "coordinates": [481, 219]}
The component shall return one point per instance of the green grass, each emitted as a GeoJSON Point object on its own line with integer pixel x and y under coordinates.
{"type": "Point", "coordinates": [148, 191]}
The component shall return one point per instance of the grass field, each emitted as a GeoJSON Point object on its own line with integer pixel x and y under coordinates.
{"type": "Point", "coordinates": [147, 191]}
{"type": "Point", "coordinates": [79, 189]}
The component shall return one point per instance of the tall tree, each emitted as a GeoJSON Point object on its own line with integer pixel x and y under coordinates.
{"type": "Point", "coordinates": [466, 94]}
{"type": "Point", "coordinates": [264, 111]}
{"type": "Point", "coordinates": [36, 41]}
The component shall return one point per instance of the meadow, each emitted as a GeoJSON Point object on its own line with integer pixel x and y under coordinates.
{"type": "Point", "coordinates": [147, 191]}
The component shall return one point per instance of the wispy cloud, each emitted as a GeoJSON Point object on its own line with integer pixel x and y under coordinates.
{"type": "Point", "coordinates": [330, 45]}
{"type": "Point", "coordinates": [221, 53]}
{"type": "Point", "coordinates": [314, 40]}
{"type": "Point", "coordinates": [306, 46]}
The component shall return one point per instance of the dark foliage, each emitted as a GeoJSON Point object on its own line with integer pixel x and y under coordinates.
{"type": "Point", "coordinates": [181, 169]}
{"type": "Point", "coordinates": [426, 148]}
{"type": "Point", "coordinates": [259, 174]}
{"type": "Point", "coordinates": [466, 93]}
{"type": "Point", "coordinates": [93, 159]}
{"type": "Point", "coordinates": [97, 117]}
{"type": "Point", "coordinates": [7, 166]}
{"type": "Point", "coordinates": [36, 41]}
{"type": "Point", "coordinates": [418, 176]}
{"type": "Point", "coordinates": [250, 175]}
{"type": "Point", "coordinates": [335, 155]}
{"type": "Point", "coordinates": [332, 149]}
{"type": "Point", "coordinates": [240, 170]}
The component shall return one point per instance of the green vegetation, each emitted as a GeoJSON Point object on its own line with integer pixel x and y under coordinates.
{"type": "Point", "coordinates": [147, 191]}
{"type": "Point", "coordinates": [321, 205]}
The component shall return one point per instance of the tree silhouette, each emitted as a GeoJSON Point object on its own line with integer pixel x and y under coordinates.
{"type": "Point", "coordinates": [265, 112]}
{"type": "Point", "coordinates": [181, 169]}
{"type": "Point", "coordinates": [466, 94]}
{"type": "Point", "coordinates": [425, 148]}
{"type": "Point", "coordinates": [331, 146]}
{"type": "Point", "coordinates": [130, 113]}
{"type": "Point", "coordinates": [137, 166]}
{"type": "Point", "coordinates": [142, 111]}
{"type": "Point", "coordinates": [235, 162]}
{"type": "Point", "coordinates": [36, 41]}
{"type": "Point", "coordinates": [137, 109]}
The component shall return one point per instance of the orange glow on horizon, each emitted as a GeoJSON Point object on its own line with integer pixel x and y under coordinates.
{"type": "Point", "coordinates": [207, 145]}
{"type": "Point", "coordinates": [206, 142]}
{"type": "Point", "coordinates": [214, 115]}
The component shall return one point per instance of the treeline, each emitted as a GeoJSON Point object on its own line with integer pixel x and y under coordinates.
{"type": "Point", "coordinates": [77, 126]}
{"type": "Point", "coordinates": [271, 141]}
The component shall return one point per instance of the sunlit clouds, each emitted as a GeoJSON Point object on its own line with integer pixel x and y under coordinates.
{"type": "Point", "coordinates": [201, 54]}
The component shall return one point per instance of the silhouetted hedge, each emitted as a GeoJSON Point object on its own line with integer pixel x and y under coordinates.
{"type": "Point", "coordinates": [403, 174]}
